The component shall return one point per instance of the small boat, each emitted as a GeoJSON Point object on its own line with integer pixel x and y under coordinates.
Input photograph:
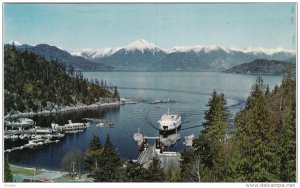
{"type": "Point", "coordinates": [155, 102]}
{"type": "Point", "coordinates": [24, 136]}
{"type": "Point", "coordinates": [169, 122]}
{"type": "Point", "coordinates": [160, 101]}
{"type": "Point", "coordinates": [58, 135]}
{"type": "Point", "coordinates": [34, 143]}
{"type": "Point", "coordinates": [39, 130]}
{"type": "Point", "coordinates": [14, 137]}
{"type": "Point", "coordinates": [138, 137]}
{"type": "Point", "coordinates": [36, 136]}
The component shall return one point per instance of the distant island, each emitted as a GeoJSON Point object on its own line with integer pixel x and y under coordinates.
{"type": "Point", "coordinates": [262, 66]}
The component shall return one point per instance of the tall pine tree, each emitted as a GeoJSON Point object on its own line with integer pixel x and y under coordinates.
{"type": "Point", "coordinates": [255, 155]}
{"type": "Point", "coordinates": [110, 164]}
{"type": "Point", "coordinates": [93, 155]}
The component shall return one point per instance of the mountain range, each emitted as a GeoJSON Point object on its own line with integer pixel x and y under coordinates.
{"type": "Point", "coordinates": [53, 53]}
{"type": "Point", "coordinates": [143, 55]}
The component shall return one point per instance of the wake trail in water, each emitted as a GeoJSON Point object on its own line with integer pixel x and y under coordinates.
{"type": "Point", "coordinates": [167, 90]}
{"type": "Point", "coordinates": [236, 100]}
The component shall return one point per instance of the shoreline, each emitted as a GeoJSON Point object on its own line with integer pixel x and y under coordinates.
{"type": "Point", "coordinates": [21, 173]}
{"type": "Point", "coordinates": [64, 109]}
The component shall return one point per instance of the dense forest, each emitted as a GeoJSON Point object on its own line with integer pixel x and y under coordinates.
{"type": "Point", "coordinates": [31, 83]}
{"type": "Point", "coordinates": [262, 147]}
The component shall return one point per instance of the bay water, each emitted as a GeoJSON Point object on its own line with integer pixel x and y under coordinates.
{"type": "Point", "coordinates": [187, 93]}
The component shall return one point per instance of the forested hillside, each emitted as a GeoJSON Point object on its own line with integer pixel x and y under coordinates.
{"type": "Point", "coordinates": [32, 83]}
{"type": "Point", "coordinates": [263, 66]}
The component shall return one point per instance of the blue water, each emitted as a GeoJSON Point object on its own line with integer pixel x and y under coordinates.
{"type": "Point", "coordinates": [188, 92]}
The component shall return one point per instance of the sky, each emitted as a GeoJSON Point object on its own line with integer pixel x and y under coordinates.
{"type": "Point", "coordinates": [82, 26]}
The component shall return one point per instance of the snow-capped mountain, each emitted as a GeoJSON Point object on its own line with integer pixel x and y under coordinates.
{"type": "Point", "coordinates": [142, 45]}
{"type": "Point", "coordinates": [143, 55]}
{"type": "Point", "coordinates": [196, 49]}
{"type": "Point", "coordinates": [139, 45]}
{"type": "Point", "coordinates": [95, 53]}
{"type": "Point", "coordinates": [16, 43]}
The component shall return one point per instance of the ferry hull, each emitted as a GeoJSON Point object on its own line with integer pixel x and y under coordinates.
{"type": "Point", "coordinates": [169, 131]}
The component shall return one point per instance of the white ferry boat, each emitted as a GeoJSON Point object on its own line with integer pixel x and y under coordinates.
{"type": "Point", "coordinates": [70, 127]}
{"type": "Point", "coordinates": [169, 122]}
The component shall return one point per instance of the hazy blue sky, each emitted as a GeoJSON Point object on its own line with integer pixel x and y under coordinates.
{"type": "Point", "coordinates": [78, 26]}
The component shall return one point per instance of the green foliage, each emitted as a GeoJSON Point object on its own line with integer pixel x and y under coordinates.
{"type": "Point", "coordinates": [155, 172]}
{"type": "Point", "coordinates": [134, 172]}
{"type": "Point", "coordinates": [216, 124]}
{"type": "Point", "coordinates": [265, 139]}
{"type": "Point", "coordinates": [31, 81]}
{"type": "Point", "coordinates": [192, 166]}
{"type": "Point", "coordinates": [110, 164]}
{"type": "Point", "coordinates": [95, 143]}
{"type": "Point", "coordinates": [262, 147]}
{"type": "Point", "coordinates": [93, 155]}
{"type": "Point", "coordinates": [8, 177]}
{"type": "Point", "coordinates": [207, 160]}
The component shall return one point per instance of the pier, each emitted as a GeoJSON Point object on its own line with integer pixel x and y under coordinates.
{"type": "Point", "coordinates": [169, 160]}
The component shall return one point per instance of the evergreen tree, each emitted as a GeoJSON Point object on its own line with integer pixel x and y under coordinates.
{"type": "Point", "coordinates": [155, 172]}
{"type": "Point", "coordinates": [110, 164]}
{"type": "Point", "coordinates": [287, 138]}
{"type": "Point", "coordinates": [95, 143]}
{"type": "Point", "coordinates": [255, 158]}
{"type": "Point", "coordinates": [8, 177]}
{"type": "Point", "coordinates": [134, 172]}
{"type": "Point", "coordinates": [216, 124]}
{"type": "Point", "coordinates": [207, 160]}
{"type": "Point", "coordinates": [93, 156]}
{"type": "Point", "coordinates": [116, 93]}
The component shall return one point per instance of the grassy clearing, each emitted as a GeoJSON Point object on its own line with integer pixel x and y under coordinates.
{"type": "Point", "coordinates": [24, 171]}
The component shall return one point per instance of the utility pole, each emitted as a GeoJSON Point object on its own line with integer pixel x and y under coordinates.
{"type": "Point", "coordinates": [34, 174]}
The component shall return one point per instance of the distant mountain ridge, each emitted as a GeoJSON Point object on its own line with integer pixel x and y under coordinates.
{"type": "Point", "coordinates": [53, 53]}
{"type": "Point", "coordinates": [141, 45]}
{"type": "Point", "coordinates": [263, 66]}
{"type": "Point", "coordinates": [143, 55]}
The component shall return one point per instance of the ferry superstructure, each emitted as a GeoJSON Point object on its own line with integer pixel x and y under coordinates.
{"type": "Point", "coordinates": [169, 122]}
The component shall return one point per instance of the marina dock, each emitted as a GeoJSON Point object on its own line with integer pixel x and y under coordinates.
{"type": "Point", "coordinates": [169, 160]}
